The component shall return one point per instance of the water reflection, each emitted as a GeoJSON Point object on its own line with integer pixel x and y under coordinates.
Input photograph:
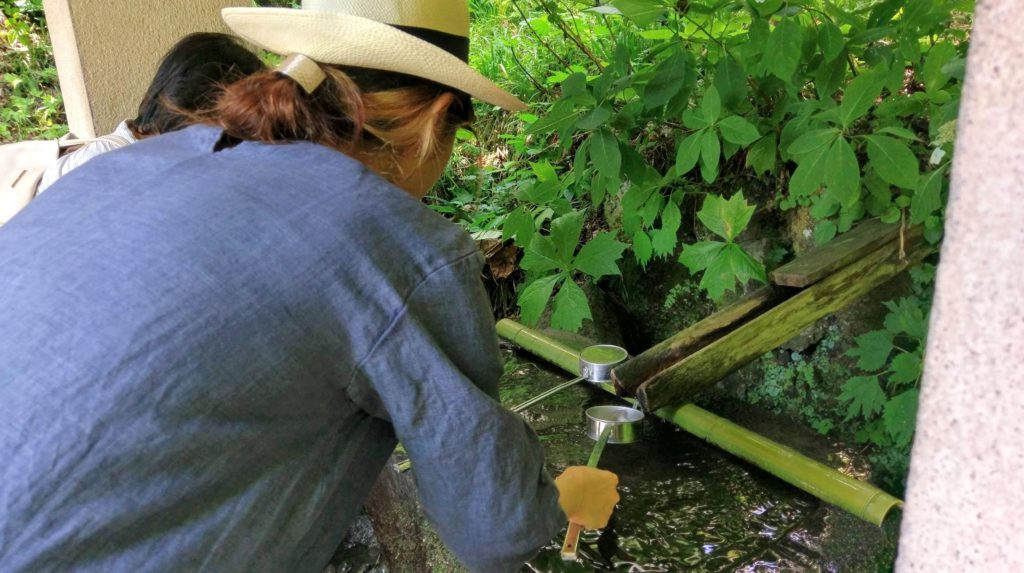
{"type": "Point", "coordinates": [687, 506]}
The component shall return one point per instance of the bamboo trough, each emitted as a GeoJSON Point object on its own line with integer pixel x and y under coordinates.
{"type": "Point", "coordinates": [861, 499]}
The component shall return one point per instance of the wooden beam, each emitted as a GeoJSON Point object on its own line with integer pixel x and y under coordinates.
{"type": "Point", "coordinates": [774, 327]}
{"type": "Point", "coordinates": [630, 375]}
{"type": "Point", "coordinates": [820, 262]}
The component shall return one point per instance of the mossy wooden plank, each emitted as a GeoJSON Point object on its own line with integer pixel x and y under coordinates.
{"type": "Point", "coordinates": [771, 329]}
{"type": "Point", "coordinates": [818, 263]}
{"type": "Point", "coordinates": [630, 375]}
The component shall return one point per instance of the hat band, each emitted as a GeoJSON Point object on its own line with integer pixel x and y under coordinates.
{"type": "Point", "coordinates": [457, 46]}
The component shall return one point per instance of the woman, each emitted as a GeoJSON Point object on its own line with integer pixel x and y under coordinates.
{"type": "Point", "coordinates": [188, 79]}
{"type": "Point", "coordinates": [208, 357]}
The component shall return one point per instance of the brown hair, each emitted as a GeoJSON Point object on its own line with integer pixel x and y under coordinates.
{"type": "Point", "coordinates": [376, 126]}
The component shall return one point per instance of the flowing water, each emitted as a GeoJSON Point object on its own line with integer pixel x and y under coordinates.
{"type": "Point", "coordinates": [688, 506]}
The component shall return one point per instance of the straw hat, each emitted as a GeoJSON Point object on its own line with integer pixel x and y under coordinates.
{"type": "Point", "coordinates": [423, 38]}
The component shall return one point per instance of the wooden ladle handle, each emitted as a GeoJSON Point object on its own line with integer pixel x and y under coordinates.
{"type": "Point", "coordinates": [572, 542]}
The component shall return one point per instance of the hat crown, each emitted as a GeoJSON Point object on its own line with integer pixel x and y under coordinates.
{"type": "Point", "coordinates": [449, 16]}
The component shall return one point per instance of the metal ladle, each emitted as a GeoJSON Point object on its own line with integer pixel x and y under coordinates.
{"type": "Point", "coordinates": [596, 363]}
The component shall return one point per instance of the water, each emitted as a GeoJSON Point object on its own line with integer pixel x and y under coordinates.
{"type": "Point", "coordinates": [686, 505]}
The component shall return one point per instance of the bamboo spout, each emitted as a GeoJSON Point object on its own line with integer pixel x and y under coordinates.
{"type": "Point", "coordinates": [855, 496]}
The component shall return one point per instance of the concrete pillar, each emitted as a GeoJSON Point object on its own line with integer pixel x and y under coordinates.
{"type": "Point", "coordinates": [108, 50]}
{"type": "Point", "coordinates": [965, 496]}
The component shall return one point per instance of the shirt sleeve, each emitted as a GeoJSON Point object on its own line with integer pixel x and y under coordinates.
{"type": "Point", "coordinates": [479, 468]}
{"type": "Point", "coordinates": [79, 157]}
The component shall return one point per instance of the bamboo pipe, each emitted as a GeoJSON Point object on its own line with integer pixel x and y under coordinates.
{"type": "Point", "coordinates": [855, 496]}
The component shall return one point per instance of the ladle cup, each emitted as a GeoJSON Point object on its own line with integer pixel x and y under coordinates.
{"type": "Point", "coordinates": [596, 363]}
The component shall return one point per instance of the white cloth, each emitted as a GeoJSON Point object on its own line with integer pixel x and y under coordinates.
{"type": "Point", "coordinates": [120, 137]}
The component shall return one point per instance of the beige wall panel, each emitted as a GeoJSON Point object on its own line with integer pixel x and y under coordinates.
{"type": "Point", "coordinates": [107, 51]}
{"type": "Point", "coordinates": [965, 496]}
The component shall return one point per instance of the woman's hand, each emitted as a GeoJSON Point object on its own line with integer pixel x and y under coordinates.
{"type": "Point", "coordinates": [587, 495]}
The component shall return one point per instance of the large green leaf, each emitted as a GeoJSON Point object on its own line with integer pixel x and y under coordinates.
{"type": "Point", "coordinates": [810, 174]}
{"type": "Point", "coordinates": [643, 12]}
{"type": "Point", "coordinates": [934, 75]}
{"type": "Point", "coordinates": [905, 368]}
{"type": "Point", "coordinates": [782, 54]}
{"type": "Point", "coordinates": [859, 96]}
{"type": "Point", "coordinates": [737, 130]}
{"type": "Point", "coordinates": [727, 218]}
{"type": "Point", "coordinates": [710, 155]}
{"type": "Point", "coordinates": [812, 141]}
{"type": "Point", "coordinates": [560, 116]}
{"type": "Point", "coordinates": [893, 161]}
{"type": "Point", "coordinates": [761, 156]}
{"type": "Point", "coordinates": [599, 256]}
{"type": "Point", "coordinates": [565, 235]}
{"type": "Point", "coordinates": [688, 152]}
{"type": "Point", "coordinates": [831, 40]}
{"type": "Point", "coordinates": [865, 396]}
{"type": "Point", "coordinates": [928, 196]}
{"type": "Point", "coordinates": [571, 308]}
{"type": "Point", "coordinates": [605, 153]}
{"type": "Point", "coordinates": [519, 224]}
{"type": "Point", "coordinates": [711, 105]}
{"type": "Point", "coordinates": [542, 256]}
{"type": "Point", "coordinates": [533, 297]}
{"type": "Point", "coordinates": [872, 350]}
{"type": "Point", "coordinates": [642, 248]}
{"type": "Point", "coordinates": [665, 239]}
{"type": "Point", "coordinates": [731, 83]}
{"type": "Point", "coordinates": [900, 417]}
{"type": "Point", "coordinates": [596, 118]}
{"type": "Point", "coordinates": [732, 264]}
{"type": "Point", "coordinates": [668, 78]}
{"type": "Point", "coordinates": [698, 256]}
{"type": "Point", "coordinates": [842, 173]}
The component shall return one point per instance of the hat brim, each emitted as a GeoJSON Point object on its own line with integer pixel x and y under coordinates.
{"type": "Point", "coordinates": [342, 39]}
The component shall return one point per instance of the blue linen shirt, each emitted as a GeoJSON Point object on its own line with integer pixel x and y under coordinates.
{"type": "Point", "coordinates": [206, 358]}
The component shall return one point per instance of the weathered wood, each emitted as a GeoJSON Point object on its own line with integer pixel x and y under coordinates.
{"type": "Point", "coordinates": [771, 329]}
{"type": "Point", "coordinates": [818, 263]}
{"type": "Point", "coordinates": [629, 376]}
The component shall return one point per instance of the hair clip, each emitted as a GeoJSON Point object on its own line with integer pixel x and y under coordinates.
{"type": "Point", "coordinates": [304, 70]}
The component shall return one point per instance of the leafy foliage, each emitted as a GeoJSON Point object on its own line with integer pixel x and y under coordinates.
{"type": "Point", "coordinates": [30, 105]}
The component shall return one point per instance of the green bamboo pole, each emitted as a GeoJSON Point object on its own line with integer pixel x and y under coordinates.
{"type": "Point", "coordinates": [857, 497]}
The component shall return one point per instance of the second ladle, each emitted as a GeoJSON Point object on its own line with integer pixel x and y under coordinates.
{"type": "Point", "coordinates": [596, 363]}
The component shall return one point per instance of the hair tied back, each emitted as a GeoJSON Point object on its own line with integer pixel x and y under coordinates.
{"type": "Point", "coordinates": [304, 70]}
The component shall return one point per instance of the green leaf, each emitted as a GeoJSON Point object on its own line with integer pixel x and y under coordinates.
{"type": "Point", "coordinates": [694, 119]}
{"type": "Point", "coordinates": [565, 234]}
{"type": "Point", "coordinates": [571, 308]}
{"type": "Point", "coordinates": [727, 218]}
{"type": "Point", "coordinates": [829, 76]}
{"type": "Point", "coordinates": [842, 173]}
{"type": "Point", "coordinates": [643, 12]}
{"type": "Point", "coordinates": [711, 105]}
{"type": "Point", "coordinates": [872, 350]}
{"type": "Point", "coordinates": [928, 197]}
{"type": "Point", "coordinates": [599, 256]}
{"type": "Point", "coordinates": [732, 264]}
{"type": "Point", "coordinates": [559, 117]}
{"type": "Point", "coordinates": [731, 82]}
{"type": "Point", "coordinates": [766, 7]}
{"type": "Point", "coordinates": [642, 248]}
{"type": "Point", "coordinates": [899, 132]}
{"type": "Point", "coordinates": [865, 397]}
{"type": "Point", "coordinates": [859, 96]}
{"type": "Point", "coordinates": [665, 238]}
{"type": "Point", "coordinates": [710, 154]}
{"type": "Point", "coordinates": [785, 45]}
{"type": "Point", "coordinates": [544, 171]}
{"type": "Point", "coordinates": [831, 40]}
{"type": "Point", "coordinates": [812, 141]}
{"type": "Point", "coordinates": [824, 232]}
{"type": "Point", "coordinates": [688, 152]}
{"type": "Point", "coordinates": [669, 77]}
{"type": "Point", "coordinates": [737, 130]}
{"type": "Point", "coordinates": [596, 118]}
{"type": "Point", "coordinates": [519, 224]}
{"type": "Point", "coordinates": [698, 256]}
{"type": "Point", "coordinates": [541, 256]}
{"type": "Point", "coordinates": [906, 316]}
{"type": "Point", "coordinates": [761, 155]}
{"type": "Point", "coordinates": [605, 153]}
{"type": "Point", "coordinates": [574, 85]}
{"type": "Point", "coordinates": [905, 368]}
{"type": "Point", "coordinates": [900, 417]}
{"type": "Point", "coordinates": [893, 161]}
{"type": "Point", "coordinates": [810, 174]}
{"type": "Point", "coordinates": [533, 298]}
